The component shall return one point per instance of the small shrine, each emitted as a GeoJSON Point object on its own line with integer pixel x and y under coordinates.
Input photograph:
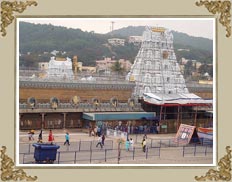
{"type": "Point", "coordinates": [60, 68]}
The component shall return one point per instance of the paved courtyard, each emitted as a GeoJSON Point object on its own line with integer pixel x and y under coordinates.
{"type": "Point", "coordinates": [83, 150]}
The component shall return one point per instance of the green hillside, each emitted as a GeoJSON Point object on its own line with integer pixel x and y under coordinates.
{"type": "Point", "coordinates": [179, 38]}
{"type": "Point", "coordinates": [89, 46]}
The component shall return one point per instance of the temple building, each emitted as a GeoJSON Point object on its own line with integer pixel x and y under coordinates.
{"type": "Point", "coordinates": [156, 72]}
{"type": "Point", "coordinates": [155, 68]}
{"type": "Point", "coordinates": [60, 68]}
{"type": "Point", "coordinates": [160, 86]}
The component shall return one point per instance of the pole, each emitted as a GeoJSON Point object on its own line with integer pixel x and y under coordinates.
{"type": "Point", "coordinates": [42, 122]}
{"type": "Point", "coordinates": [90, 159]}
{"type": "Point", "coordinates": [105, 154]}
{"type": "Point", "coordinates": [119, 151]}
{"type": "Point", "coordinates": [161, 107]}
{"type": "Point", "coordinates": [195, 119]}
{"type": "Point", "coordinates": [178, 118]}
{"type": "Point", "coordinates": [75, 159]}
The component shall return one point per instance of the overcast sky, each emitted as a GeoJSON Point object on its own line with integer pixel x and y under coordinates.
{"type": "Point", "coordinates": [199, 27]}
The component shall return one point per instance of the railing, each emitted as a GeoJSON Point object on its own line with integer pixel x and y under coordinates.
{"type": "Point", "coordinates": [164, 143]}
{"type": "Point", "coordinates": [74, 146]}
{"type": "Point", "coordinates": [97, 156]}
{"type": "Point", "coordinates": [196, 150]}
{"type": "Point", "coordinates": [87, 106]}
{"type": "Point", "coordinates": [79, 81]}
{"type": "Point", "coordinates": [83, 152]}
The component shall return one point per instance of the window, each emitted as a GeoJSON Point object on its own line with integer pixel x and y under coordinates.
{"type": "Point", "coordinates": [148, 64]}
{"type": "Point", "coordinates": [147, 78]}
{"type": "Point", "coordinates": [147, 90]}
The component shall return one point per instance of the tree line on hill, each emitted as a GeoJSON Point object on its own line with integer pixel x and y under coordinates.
{"type": "Point", "coordinates": [36, 41]}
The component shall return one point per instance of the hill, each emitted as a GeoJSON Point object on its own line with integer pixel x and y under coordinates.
{"type": "Point", "coordinates": [182, 39]}
{"type": "Point", "coordinates": [38, 39]}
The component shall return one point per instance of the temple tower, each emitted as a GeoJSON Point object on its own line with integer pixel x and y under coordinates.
{"type": "Point", "coordinates": [155, 69]}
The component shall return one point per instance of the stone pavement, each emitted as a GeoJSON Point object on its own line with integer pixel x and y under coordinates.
{"type": "Point", "coordinates": [168, 155]}
{"type": "Point", "coordinates": [77, 135]}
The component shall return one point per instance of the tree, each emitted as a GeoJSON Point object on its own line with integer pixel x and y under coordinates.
{"type": "Point", "coordinates": [205, 68]}
{"type": "Point", "coordinates": [188, 69]}
{"type": "Point", "coordinates": [117, 67]}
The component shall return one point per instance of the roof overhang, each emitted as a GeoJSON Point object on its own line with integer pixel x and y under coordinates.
{"type": "Point", "coordinates": [111, 116]}
{"type": "Point", "coordinates": [182, 99]}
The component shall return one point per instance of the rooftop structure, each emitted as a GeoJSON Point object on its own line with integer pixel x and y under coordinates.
{"type": "Point", "coordinates": [135, 40]}
{"type": "Point", "coordinates": [116, 42]}
{"type": "Point", "coordinates": [107, 63]}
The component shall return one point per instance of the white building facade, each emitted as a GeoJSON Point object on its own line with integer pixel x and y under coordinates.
{"type": "Point", "coordinates": [60, 68]}
{"type": "Point", "coordinates": [116, 42]}
{"type": "Point", "coordinates": [135, 39]}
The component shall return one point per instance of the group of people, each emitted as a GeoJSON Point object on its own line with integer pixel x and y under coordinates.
{"type": "Point", "coordinates": [129, 145]}
{"type": "Point", "coordinates": [96, 131]}
{"type": "Point", "coordinates": [31, 136]}
{"type": "Point", "coordinates": [51, 138]}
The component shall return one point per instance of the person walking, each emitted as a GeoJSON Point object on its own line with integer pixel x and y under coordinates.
{"type": "Point", "coordinates": [40, 137]}
{"type": "Point", "coordinates": [144, 145]}
{"type": "Point", "coordinates": [103, 140]}
{"type": "Point", "coordinates": [127, 145]}
{"type": "Point", "coordinates": [131, 144]}
{"type": "Point", "coordinates": [90, 131]}
{"type": "Point", "coordinates": [31, 135]}
{"type": "Point", "coordinates": [99, 140]}
{"type": "Point", "coordinates": [50, 137]}
{"type": "Point", "coordinates": [67, 137]}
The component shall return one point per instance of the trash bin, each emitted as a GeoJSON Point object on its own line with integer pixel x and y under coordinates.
{"type": "Point", "coordinates": [45, 153]}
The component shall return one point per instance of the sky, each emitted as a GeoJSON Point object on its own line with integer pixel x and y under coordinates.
{"type": "Point", "coordinates": [198, 27]}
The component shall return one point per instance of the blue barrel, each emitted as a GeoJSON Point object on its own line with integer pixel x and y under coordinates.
{"type": "Point", "coordinates": [45, 152]}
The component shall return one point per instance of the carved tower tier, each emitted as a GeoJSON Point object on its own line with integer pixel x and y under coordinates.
{"type": "Point", "coordinates": [155, 69]}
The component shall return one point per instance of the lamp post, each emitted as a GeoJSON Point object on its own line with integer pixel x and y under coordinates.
{"type": "Point", "coordinates": [119, 151]}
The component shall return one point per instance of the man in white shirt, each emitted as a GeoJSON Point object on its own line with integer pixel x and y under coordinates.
{"type": "Point", "coordinates": [131, 144]}
{"type": "Point", "coordinates": [99, 141]}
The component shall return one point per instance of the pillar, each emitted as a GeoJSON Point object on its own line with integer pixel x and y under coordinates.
{"type": "Point", "coordinates": [21, 123]}
{"type": "Point", "coordinates": [42, 123]}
